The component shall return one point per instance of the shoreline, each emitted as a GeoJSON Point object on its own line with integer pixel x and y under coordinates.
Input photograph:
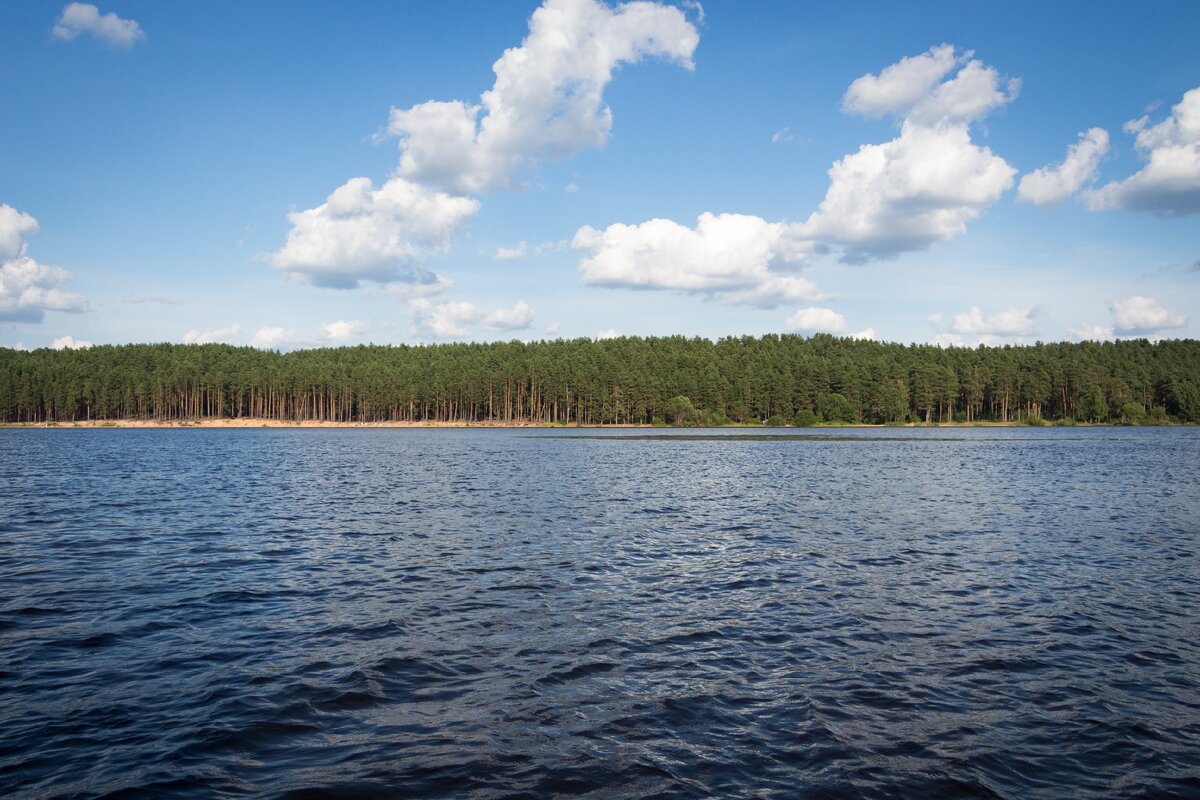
{"type": "Point", "coordinates": [254, 422]}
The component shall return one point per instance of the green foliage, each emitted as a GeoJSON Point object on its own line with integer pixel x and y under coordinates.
{"type": "Point", "coordinates": [805, 419]}
{"type": "Point", "coordinates": [1133, 413]}
{"type": "Point", "coordinates": [1035, 422]}
{"type": "Point", "coordinates": [681, 411]}
{"type": "Point", "coordinates": [836, 408]}
{"type": "Point", "coordinates": [1092, 406]}
{"type": "Point", "coordinates": [628, 380]}
{"type": "Point", "coordinates": [776, 421]}
{"type": "Point", "coordinates": [717, 419]}
{"type": "Point", "coordinates": [1183, 401]}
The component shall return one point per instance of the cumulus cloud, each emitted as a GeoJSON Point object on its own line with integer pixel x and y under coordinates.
{"type": "Point", "coordinates": [547, 99]}
{"type": "Point", "coordinates": [1169, 184]}
{"type": "Point", "coordinates": [867, 334]}
{"type": "Point", "coordinates": [1051, 185]}
{"type": "Point", "coordinates": [69, 342]}
{"type": "Point", "coordinates": [517, 318]}
{"type": "Point", "coordinates": [80, 18]}
{"type": "Point", "coordinates": [924, 186]}
{"type": "Point", "coordinates": [1093, 333]}
{"type": "Point", "coordinates": [817, 320]}
{"type": "Point", "coordinates": [608, 333]}
{"type": "Point", "coordinates": [733, 257]}
{"type": "Point", "coordinates": [214, 335]}
{"type": "Point", "coordinates": [1140, 315]}
{"type": "Point", "coordinates": [271, 338]}
{"type": "Point", "coordinates": [449, 320]}
{"type": "Point", "coordinates": [511, 253]}
{"type": "Point", "coordinates": [899, 87]}
{"type": "Point", "coordinates": [343, 330]}
{"type": "Point", "coordinates": [1132, 317]}
{"type": "Point", "coordinates": [546, 103]}
{"type": "Point", "coordinates": [1009, 322]}
{"type": "Point", "coordinates": [417, 283]}
{"type": "Point", "coordinates": [29, 289]}
{"type": "Point", "coordinates": [365, 233]}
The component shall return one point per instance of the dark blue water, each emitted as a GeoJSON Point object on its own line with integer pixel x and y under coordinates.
{"type": "Point", "coordinates": [487, 613]}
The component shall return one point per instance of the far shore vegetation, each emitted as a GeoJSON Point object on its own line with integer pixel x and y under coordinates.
{"type": "Point", "coordinates": [772, 381]}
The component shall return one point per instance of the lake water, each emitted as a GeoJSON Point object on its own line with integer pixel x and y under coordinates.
{"type": "Point", "coordinates": [521, 613]}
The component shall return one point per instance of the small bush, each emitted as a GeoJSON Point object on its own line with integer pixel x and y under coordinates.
{"type": "Point", "coordinates": [776, 422]}
{"type": "Point", "coordinates": [805, 419]}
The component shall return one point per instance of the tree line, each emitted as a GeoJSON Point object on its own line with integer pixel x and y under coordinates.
{"type": "Point", "coordinates": [679, 380]}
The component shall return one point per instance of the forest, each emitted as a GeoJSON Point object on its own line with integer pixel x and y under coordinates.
{"type": "Point", "coordinates": [628, 380]}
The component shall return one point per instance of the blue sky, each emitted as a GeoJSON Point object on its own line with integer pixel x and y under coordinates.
{"type": "Point", "coordinates": [300, 174]}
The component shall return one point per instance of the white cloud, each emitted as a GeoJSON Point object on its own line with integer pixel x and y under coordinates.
{"type": "Point", "coordinates": [271, 338]}
{"type": "Point", "coordinates": [343, 330]}
{"type": "Point", "coordinates": [728, 256]}
{"type": "Point", "coordinates": [1140, 315]}
{"type": "Point", "coordinates": [420, 284]}
{"type": "Point", "coordinates": [1169, 184]}
{"type": "Point", "coordinates": [449, 320]}
{"type": "Point", "coordinates": [924, 186]}
{"type": "Point", "coordinates": [363, 233]}
{"type": "Point", "coordinates": [782, 135]}
{"type": "Point", "coordinates": [867, 334]}
{"type": "Point", "coordinates": [1093, 333]}
{"type": "Point", "coordinates": [1009, 322]}
{"type": "Point", "coordinates": [29, 289]}
{"type": "Point", "coordinates": [774, 291]}
{"type": "Point", "coordinates": [444, 320]}
{"type": "Point", "coordinates": [1051, 185]}
{"type": "Point", "coordinates": [608, 333]}
{"type": "Point", "coordinates": [519, 317]}
{"type": "Point", "coordinates": [817, 320]}
{"type": "Point", "coordinates": [20, 346]}
{"type": "Point", "coordinates": [898, 87]}
{"type": "Point", "coordinates": [547, 100]}
{"type": "Point", "coordinates": [510, 253]}
{"type": "Point", "coordinates": [546, 103]}
{"type": "Point", "coordinates": [552, 329]}
{"type": "Point", "coordinates": [78, 18]}
{"type": "Point", "coordinates": [69, 342]}
{"type": "Point", "coordinates": [551, 247]}
{"type": "Point", "coordinates": [215, 335]}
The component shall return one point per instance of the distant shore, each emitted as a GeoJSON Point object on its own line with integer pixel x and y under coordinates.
{"type": "Point", "coordinates": [254, 422]}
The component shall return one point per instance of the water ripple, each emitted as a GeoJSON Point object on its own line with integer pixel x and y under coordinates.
{"type": "Point", "coordinates": [341, 613]}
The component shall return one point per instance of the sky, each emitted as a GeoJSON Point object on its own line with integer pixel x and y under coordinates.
{"type": "Point", "coordinates": [299, 174]}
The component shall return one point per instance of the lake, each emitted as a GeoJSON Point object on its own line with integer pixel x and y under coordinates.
{"type": "Point", "coordinates": [632, 613]}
